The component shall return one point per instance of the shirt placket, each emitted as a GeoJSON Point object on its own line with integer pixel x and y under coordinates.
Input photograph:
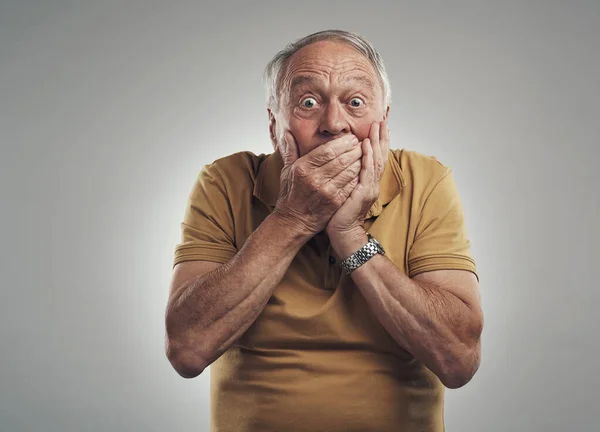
{"type": "Point", "coordinates": [332, 269]}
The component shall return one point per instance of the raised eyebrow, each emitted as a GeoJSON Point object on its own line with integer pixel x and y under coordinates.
{"type": "Point", "coordinates": [363, 79]}
{"type": "Point", "coordinates": [301, 80]}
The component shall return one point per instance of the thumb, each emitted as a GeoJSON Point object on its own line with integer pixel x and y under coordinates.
{"type": "Point", "coordinates": [290, 149]}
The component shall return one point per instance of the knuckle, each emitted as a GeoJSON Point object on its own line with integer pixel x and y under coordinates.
{"type": "Point", "coordinates": [350, 172]}
{"type": "Point", "coordinates": [299, 170]}
{"type": "Point", "coordinates": [341, 164]}
{"type": "Point", "coordinates": [346, 159]}
{"type": "Point", "coordinates": [329, 153]}
{"type": "Point", "coordinates": [349, 158]}
{"type": "Point", "coordinates": [313, 186]}
{"type": "Point", "coordinates": [339, 199]}
{"type": "Point", "coordinates": [326, 191]}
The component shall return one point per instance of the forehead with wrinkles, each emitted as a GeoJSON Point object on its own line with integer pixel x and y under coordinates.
{"type": "Point", "coordinates": [328, 63]}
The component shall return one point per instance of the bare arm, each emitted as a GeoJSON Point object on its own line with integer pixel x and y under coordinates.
{"type": "Point", "coordinates": [212, 305]}
{"type": "Point", "coordinates": [436, 316]}
{"type": "Point", "coordinates": [207, 313]}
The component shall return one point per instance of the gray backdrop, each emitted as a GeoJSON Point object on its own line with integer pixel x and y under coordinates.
{"type": "Point", "coordinates": [110, 109]}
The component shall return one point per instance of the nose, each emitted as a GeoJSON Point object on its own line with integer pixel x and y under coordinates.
{"type": "Point", "coordinates": [334, 121]}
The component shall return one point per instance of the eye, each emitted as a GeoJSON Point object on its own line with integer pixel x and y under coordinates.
{"type": "Point", "coordinates": [356, 102]}
{"type": "Point", "coordinates": [308, 102]}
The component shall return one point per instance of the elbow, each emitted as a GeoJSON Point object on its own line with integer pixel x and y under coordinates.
{"type": "Point", "coordinates": [460, 369]}
{"type": "Point", "coordinates": [457, 379]}
{"type": "Point", "coordinates": [186, 361]}
{"type": "Point", "coordinates": [187, 365]}
{"type": "Point", "coordinates": [462, 362]}
{"type": "Point", "coordinates": [186, 371]}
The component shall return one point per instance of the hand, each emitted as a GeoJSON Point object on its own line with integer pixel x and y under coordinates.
{"type": "Point", "coordinates": [316, 185]}
{"type": "Point", "coordinates": [346, 228]}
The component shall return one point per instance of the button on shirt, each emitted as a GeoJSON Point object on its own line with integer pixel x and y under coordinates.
{"type": "Point", "coordinates": [317, 358]}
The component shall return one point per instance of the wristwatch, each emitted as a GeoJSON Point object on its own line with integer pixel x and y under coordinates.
{"type": "Point", "coordinates": [362, 255]}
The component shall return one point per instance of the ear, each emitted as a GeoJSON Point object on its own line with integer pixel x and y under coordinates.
{"type": "Point", "coordinates": [272, 128]}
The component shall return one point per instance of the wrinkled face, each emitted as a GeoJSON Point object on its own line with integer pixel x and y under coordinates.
{"type": "Point", "coordinates": [328, 90]}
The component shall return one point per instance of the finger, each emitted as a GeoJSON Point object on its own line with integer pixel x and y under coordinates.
{"type": "Point", "coordinates": [332, 149]}
{"type": "Point", "coordinates": [375, 145]}
{"type": "Point", "coordinates": [338, 182]}
{"type": "Point", "coordinates": [345, 192]}
{"type": "Point", "coordinates": [385, 139]}
{"type": "Point", "coordinates": [367, 166]}
{"type": "Point", "coordinates": [374, 132]}
{"type": "Point", "coordinates": [290, 149]}
{"type": "Point", "coordinates": [334, 167]}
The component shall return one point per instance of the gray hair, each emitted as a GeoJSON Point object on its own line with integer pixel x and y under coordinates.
{"type": "Point", "coordinates": [273, 71]}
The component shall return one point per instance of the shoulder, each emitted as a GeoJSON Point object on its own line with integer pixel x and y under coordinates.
{"type": "Point", "coordinates": [416, 165]}
{"type": "Point", "coordinates": [236, 169]}
{"type": "Point", "coordinates": [419, 172]}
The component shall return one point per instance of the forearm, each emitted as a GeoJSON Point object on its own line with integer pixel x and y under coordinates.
{"type": "Point", "coordinates": [435, 326]}
{"type": "Point", "coordinates": [213, 311]}
{"type": "Point", "coordinates": [432, 324]}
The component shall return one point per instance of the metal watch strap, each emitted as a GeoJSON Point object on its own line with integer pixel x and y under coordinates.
{"type": "Point", "coordinates": [362, 255]}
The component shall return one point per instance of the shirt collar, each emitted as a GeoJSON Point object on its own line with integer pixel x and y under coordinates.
{"type": "Point", "coordinates": [266, 187]}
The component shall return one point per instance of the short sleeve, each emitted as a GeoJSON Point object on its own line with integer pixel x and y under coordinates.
{"type": "Point", "coordinates": [441, 241]}
{"type": "Point", "coordinates": [207, 230]}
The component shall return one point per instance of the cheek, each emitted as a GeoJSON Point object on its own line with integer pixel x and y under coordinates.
{"type": "Point", "coordinates": [362, 129]}
{"type": "Point", "coordinates": [305, 131]}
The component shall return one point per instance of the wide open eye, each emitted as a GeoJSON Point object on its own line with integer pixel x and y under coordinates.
{"type": "Point", "coordinates": [308, 102]}
{"type": "Point", "coordinates": [356, 102]}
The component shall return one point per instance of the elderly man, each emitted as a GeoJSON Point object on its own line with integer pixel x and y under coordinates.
{"type": "Point", "coordinates": [329, 284]}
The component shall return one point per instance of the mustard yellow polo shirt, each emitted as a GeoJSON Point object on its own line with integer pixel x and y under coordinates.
{"type": "Point", "coordinates": [317, 358]}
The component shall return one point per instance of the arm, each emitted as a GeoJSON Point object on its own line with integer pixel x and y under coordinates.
{"type": "Point", "coordinates": [212, 305]}
{"type": "Point", "coordinates": [207, 313]}
{"type": "Point", "coordinates": [436, 316]}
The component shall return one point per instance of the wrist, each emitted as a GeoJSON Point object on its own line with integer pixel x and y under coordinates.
{"type": "Point", "coordinates": [347, 242]}
{"type": "Point", "coordinates": [290, 226]}
{"type": "Point", "coordinates": [362, 255]}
